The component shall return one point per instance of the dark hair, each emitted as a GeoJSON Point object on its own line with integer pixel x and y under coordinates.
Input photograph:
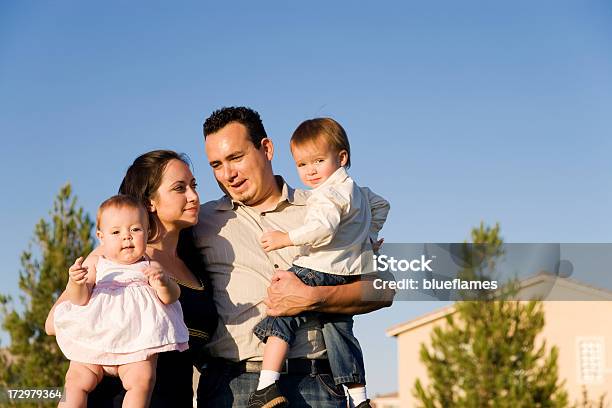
{"type": "Point", "coordinates": [119, 201]}
{"type": "Point", "coordinates": [144, 176]}
{"type": "Point", "coordinates": [240, 114]}
{"type": "Point", "coordinates": [326, 129]}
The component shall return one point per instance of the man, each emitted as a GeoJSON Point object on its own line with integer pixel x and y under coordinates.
{"type": "Point", "coordinates": [247, 281]}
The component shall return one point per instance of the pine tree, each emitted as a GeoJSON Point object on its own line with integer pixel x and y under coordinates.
{"type": "Point", "coordinates": [36, 360]}
{"type": "Point", "coordinates": [586, 402]}
{"type": "Point", "coordinates": [486, 355]}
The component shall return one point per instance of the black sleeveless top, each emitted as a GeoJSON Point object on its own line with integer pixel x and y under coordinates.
{"type": "Point", "coordinates": [174, 374]}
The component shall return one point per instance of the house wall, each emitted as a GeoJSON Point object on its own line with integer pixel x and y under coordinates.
{"type": "Point", "coordinates": [566, 322]}
{"type": "Point", "coordinates": [409, 364]}
{"type": "Point", "coordinates": [384, 401]}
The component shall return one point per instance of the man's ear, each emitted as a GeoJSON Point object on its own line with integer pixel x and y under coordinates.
{"type": "Point", "coordinates": [343, 157]}
{"type": "Point", "coordinates": [268, 148]}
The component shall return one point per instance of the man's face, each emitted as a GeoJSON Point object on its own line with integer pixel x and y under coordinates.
{"type": "Point", "coordinates": [240, 169]}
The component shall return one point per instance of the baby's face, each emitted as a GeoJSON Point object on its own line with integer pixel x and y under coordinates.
{"type": "Point", "coordinates": [317, 161]}
{"type": "Point", "coordinates": [123, 234]}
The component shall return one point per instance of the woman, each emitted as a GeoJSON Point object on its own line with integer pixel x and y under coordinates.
{"type": "Point", "coordinates": [162, 180]}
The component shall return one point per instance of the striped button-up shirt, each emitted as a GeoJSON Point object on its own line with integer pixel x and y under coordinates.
{"type": "Point", "coordinates": [227, 236]}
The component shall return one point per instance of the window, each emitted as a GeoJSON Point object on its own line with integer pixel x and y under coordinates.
{"type": "Point", "coordinates": [590, 360]}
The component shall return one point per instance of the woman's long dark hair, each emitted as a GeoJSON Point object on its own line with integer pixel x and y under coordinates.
{"type": "Point", "coordinates": [143, 178]}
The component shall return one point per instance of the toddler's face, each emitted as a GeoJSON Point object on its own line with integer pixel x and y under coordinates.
{"type": "Point", "coordinates": [317, 161]}
{"type": "Point", "coordinates": [123, 234]}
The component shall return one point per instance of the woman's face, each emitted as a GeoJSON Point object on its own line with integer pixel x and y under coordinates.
{"type": "Point", "coordinates": [176, 201]}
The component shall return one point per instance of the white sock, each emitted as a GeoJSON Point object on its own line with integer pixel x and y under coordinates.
{"type": "Point", "coordinates": [267, 377]}
{"type": "Point", "coordinates": [357, 395]}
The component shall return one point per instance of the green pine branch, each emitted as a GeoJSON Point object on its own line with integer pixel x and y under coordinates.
{"type": "Point", "coordinates": [486, 354]}
{"type": "Point", "coordinates": [36, 360]}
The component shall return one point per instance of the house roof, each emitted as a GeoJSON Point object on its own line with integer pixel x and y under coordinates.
{"type": "Point", "coordinates": [542, 278]}
{"type": "Point", "coordinates": [387, 395]}
{"type": "Point", "coordinates": [419, 321]}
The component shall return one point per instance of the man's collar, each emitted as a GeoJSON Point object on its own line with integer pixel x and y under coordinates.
{"type": "Point", "coordinates": [289, 194]}
{"type": "Point", "coordinates": [224, 204]}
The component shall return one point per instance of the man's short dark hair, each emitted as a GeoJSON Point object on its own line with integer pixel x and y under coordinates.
{"type": "Point", "coordinates": [240, 114]}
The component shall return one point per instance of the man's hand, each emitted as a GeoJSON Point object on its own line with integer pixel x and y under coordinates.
{"type": "Point", "coordinates": [272, 240]}
{"type": "Point", "coordinates": [376, 245]}
{"type": "Point", "coordinates": [288, 295]}
{"type": "Point", "coordinates": [77, 273]}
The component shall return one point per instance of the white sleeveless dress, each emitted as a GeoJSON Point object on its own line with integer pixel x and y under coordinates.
{"type": "Point", "coordinates": [123, 322]}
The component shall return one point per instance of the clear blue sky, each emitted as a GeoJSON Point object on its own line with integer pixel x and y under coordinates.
{"type": "Point", "coordinates": [457, 111]}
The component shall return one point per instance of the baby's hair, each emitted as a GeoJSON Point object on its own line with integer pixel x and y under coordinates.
{"type": "Point", "coordinates": [120, 201]}
{"type": "Point", "coordinates": [325, 129]}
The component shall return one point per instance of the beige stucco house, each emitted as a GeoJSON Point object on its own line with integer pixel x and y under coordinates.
{"type": "Point", "coordinates": [390, 400]}
{"type": "Point", "coordinates": [581, 330]}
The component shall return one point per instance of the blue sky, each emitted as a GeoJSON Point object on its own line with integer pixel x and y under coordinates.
{"type": "Point", "coordinates": [457, 112]}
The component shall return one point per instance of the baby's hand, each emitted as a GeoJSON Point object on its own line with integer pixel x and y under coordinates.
{"type": "Point", "coordinates": [77, 273]}
{"type": "Point", "coordinates": [272, 240]}
{"type": "Point", "coordinates": [157, 278]}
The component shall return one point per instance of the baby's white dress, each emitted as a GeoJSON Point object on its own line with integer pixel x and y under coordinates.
{"type": "Point", "coordinates": [123, 322]}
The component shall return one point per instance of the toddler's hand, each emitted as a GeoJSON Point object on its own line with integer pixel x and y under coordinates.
{"type": "Point", "coordinates": [272, 240]}
{"type": "Point", "coordinates": [157, 278]}
{"type": "Point", "coordinates": [77, 273]}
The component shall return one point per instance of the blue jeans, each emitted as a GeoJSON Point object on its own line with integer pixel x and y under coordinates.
{"type": "Point", "coordinates": [222, 388]}
{"type": "Point", "coordinates": [343, 350]}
